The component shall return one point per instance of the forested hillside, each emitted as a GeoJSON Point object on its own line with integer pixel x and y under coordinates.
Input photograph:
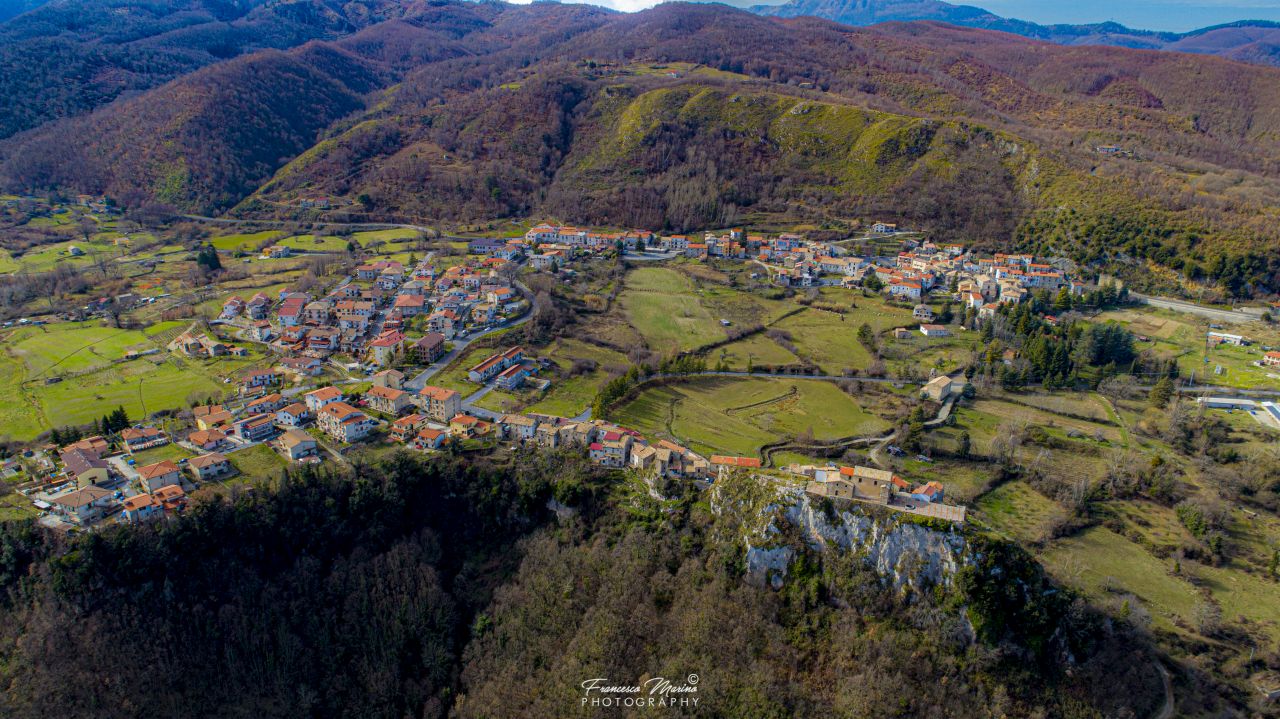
{"type": "Point", "coordinates": [422, 588]}
{"type": "Point", "coordinates": [685, 117]}
{"type": "Point", "coordinates": [64, 59]}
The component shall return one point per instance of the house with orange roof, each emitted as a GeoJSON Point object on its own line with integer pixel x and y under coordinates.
{"type": "Point", "coordinates": [405, 428]}
{"type": "Point", "coordinates": [466, 426]}
{"type": "Point", "coordinates": [160, 474]}
{"type": "Point", "coordinates": [210, 466]}
{"type": "Point", "coordinates": [439, 403]}
{"type": "Point", "coordinates": [428, 439]}
{"type": "Point", "coordinates": [387, 400]}
{"type": "Point", "coordinates": [318, 398]}
{"type": "Point", "coordinates": [207, 439]}
{"type": "Point", "coordinates": [344, 422]}
{"type": "Point", "coordinates": [140, 508]}
{"type": "Point", "coordinates": [172, 497]}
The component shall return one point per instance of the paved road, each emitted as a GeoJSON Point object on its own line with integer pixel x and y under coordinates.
{"type": "Point", "coordinates": [459, 346]}
{"type": "Point", "coordinates": [363, 225]}
{"type": "Point", "coordinates": [469, 404]}
{"type": "Point", "coordinates": [784, 375]}
{"type": "Point", "coordinates": [1213, 313]}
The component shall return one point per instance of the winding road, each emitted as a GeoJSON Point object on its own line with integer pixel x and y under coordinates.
{"type": "Point", "coordinates": [1213, 313]}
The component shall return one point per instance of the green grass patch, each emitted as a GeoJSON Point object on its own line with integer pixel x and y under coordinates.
{"type": "Point", "coordinates": [257, 463]}
{"type": "Point", "coordinates": [169, 451]}
{"type": "Point", "coordinates": [662, 305]}
{"type": "Point", "coordinates": [737, 416]}
{"type": "Point", "coordinates": [753, 351]}
{"type": "Point", "coordinates": [1017, 511]}
{"type": "Point", "coordinates": [1099, 561]}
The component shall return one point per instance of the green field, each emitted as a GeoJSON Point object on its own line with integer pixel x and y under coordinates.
{"type": "Point", "coordinates": [1098, 561]}
{"type": "Point", "coordinates": [389, 235]}
{"type": "Point", "coordinates": [662, 305]}
{"type": "Point", "coordinates": [1017, 511]}
{"type": "Point", "coordinates": [259, 462]}
{"type": "Point", "coordinates": [75, 347]}
{"type": "Point", "coordinates": [247, 242]}
{"type": "Point", "coordinates": [310, 243]}
{"type": "Point", "coordinates": [920, 353]}
{"type": "Point", "coordinates": [830, 340]}
{"type": "Point", "coordinates": [754, 351]}
{"type": "Point", "coordinates": [568, 396]}
{"type": "Point", "coordinates": [102, 378]}
{"type": "Point", "coordinates": [737, 416]}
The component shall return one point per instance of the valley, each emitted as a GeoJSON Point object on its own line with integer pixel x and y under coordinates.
{"type": "Point", "coordinates": [450, 359]}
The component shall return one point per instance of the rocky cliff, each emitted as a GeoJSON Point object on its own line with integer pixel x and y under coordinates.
{"type": "Point", "coordinates": [775, 519]}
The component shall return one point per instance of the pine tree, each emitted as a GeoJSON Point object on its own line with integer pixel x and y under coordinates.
{"type": "Point", "coordinates": [1161, 392]}
{"type": "Point", "coordinates": [1062, 302]}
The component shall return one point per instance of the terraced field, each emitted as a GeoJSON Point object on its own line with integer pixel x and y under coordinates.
{"type": "Point", "coordinates": [1017, 511]}
{"type": "Point", "coordinates": [738, 416]}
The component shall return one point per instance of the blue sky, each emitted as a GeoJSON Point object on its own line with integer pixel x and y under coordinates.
{"type": "Point", "coordinates": [1144, 14]}
{"type": "Point", "coordinates": [1175, 15]}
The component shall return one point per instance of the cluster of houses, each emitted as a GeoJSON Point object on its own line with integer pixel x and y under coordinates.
{"type": "Point", "coordinates": [508, 369]}
{"type": "Point", "coordinates": [918, 270]}
{"type": "Point", "coordinates": [606, 444]}
{"type": "Point", "coordinates": [367, 315]}
{"type": "Point", "coordinates": [87, 487]}
{"type": "Point", "coordinates": [878, 486]}
{"type": "Point", "coordinates": [194, 343]}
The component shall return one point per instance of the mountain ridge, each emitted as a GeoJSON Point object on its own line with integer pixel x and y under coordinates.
{"type": "Point", "coordinates": [1254, 41]}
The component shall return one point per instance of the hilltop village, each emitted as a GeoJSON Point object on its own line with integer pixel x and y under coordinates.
{"type": "Point", "coordinates": [396, 325]}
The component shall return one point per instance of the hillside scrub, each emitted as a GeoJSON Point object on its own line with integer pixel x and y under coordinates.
{"type": "Point", "coordinates": [417, 587]}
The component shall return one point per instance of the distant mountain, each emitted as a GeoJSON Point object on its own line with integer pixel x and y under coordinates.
{"type": "Point", "coordinates": [1255, 41]}
{"type": "Point", "coordinates": [13, 8]}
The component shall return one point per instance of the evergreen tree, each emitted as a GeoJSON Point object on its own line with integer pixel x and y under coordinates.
{"type": "Point", "coordinates": [1062, 302]}
{"type": "Point", "coordinates": [867, 336]}
{"type": "Point", "coordinates": [1161, 392]}
{"type": "Point", "coordinates": [207, 259]}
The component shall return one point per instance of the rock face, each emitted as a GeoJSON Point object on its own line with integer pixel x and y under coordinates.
{"type": "Point", "coordinates": [910, 555]}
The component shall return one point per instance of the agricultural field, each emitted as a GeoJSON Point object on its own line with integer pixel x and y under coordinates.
{"type": "Point", "coordinates": [753, 351]}
{"type": "Point", "coordinates": [662, 305]}
{"type": "Point", "coordinates": [830, 339]}
{"type": "Point", "coordinates": [312, 243]}
{"type": "Point", "coordinates": [246, 242]}
{"type": "Point", "coordinates": [826, 339]}
{"type": "Point", "coordinates": [985, 416]}
{"type": "Point", "coordinates": [96, 375]}
{"type": "Point", "coordinates": [77, 347]}
{"type": "Point", "coordinates": [1017, 511]}
{"type": "Point", "coordinates": [1182, 335]}
{"type": "Point", "coordinates": [719, 415]}
{"type": "Point", "coordinates": [1100, 562]}
{"type": "Point", "coordinates": [170, 451]}
{"type": "Point", "coordinates": [259, 462]}
{"type": "Point", "coordinates": [920, 354]}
